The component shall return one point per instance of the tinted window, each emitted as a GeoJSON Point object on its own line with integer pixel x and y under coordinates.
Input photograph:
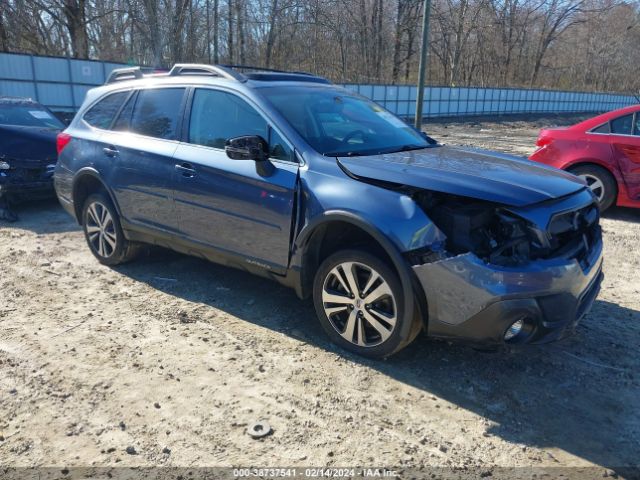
{"type": "Point", "coordinates": [622, 125]}
{"type": "Point", "coordinates": [636, 125]}
{"type": "Point", "coordinates": [102, 113]}
{"type": "Point", "coordinates": [124, 119]}
{"type": "Point", "coordinates": [337, 123]}
{"type": "Point", "coordinates": [278, 148]}
{"type": "Point", "coordinates": [604, 128]}
{"type": "Point", "coordinates": [156, 112]}
{"type": "Point", "coordinates": [218, 116]}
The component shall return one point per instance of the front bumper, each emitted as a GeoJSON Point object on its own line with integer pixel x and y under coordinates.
{"type": "Point", "coordinates": [27, 183]}
{"type": "Point", "coordinates": [472, 301]}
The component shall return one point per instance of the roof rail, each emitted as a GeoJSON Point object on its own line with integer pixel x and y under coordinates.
{"type": "Point", "coordinates": [128, 73]}
{"type": "Point", "coordinates": [264, 69]}
{"type": "Point", "coordinates": [230, 72]}
{"type": "Point", "coordinates": [202, 69]}
{"type": "Point", "coordinates": [271, 74]}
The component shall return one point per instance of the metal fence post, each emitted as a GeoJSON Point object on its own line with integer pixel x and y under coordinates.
{"type": "Point", "coordinates": [33, 77]}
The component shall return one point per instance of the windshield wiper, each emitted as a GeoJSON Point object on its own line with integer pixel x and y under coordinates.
{"type": "Point", "coordinates": [343, 154]}
{"type": "Point", "coordinates": [364, 153]}
{"type": "Point", "coordinates": [405, 148]}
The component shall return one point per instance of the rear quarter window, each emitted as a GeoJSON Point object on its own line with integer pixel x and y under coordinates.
{"type": "Point", "coordinates": [102, 113]}
{"type": "Point", "coordinates": [604, 128]}
{"type": "Point", "coordinates": [157, 113]}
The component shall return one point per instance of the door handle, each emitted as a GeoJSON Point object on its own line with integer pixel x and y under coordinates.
{"type": "Point", "coordinates": [186, 169]}
{"type": "Point", "coordinates": [110, 151]}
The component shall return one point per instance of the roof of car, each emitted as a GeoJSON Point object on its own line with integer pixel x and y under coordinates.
{"type": "Point", "coordinates": [235, 77]}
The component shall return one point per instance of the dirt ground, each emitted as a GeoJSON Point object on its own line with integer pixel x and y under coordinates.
{"type": "Point", "coordinates": [175, 357]}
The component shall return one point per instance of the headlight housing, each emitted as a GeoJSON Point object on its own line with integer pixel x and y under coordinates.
{"type": "Point", "coordinates": [4, 165]}
{"type": "Point", "coordinates": [483, 228]}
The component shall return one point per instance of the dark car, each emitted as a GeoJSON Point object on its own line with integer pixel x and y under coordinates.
{"type": "Point", "coordinates": [604, 151]}
{"type": "Point", "coordinates": [27, 152]}
{"type": "Point", "coordinates": [305, 183]}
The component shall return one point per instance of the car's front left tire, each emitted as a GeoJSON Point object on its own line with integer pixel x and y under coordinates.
{"type": "Point", "coordinates": [360, 304]}
{"type": "Point", "coordinates": [103, 232]}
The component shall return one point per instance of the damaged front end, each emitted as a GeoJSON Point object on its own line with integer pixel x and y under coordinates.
{"type": "Point", "coordinates": [26, 179]}
{"type": "Point", "coordinates": [509, 274]}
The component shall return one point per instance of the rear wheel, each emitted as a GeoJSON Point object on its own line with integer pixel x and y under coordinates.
{"type": "Point", "coordinates": [359, 301]}
{"type": "Point", "coordinates": [601, 183]}
{"type": "Point", "coordinates": [103, 232]}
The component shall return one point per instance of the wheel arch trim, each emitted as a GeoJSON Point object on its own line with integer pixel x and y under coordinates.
{"type": "Point", "coordinates": [579, 162]}
{"type": "Point", "coordinates": [621, 188]}
{"type": "Point", "coordinates": [77, 178]}
{"type": "Point", "coordinates": [399, 263]}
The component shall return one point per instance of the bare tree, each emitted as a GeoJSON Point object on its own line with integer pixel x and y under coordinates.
{"type": "Point", "coordinates": [579, 44]}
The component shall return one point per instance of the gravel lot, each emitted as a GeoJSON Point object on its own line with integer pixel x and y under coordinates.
{"type": "Point", "coordinates": [175, 357]}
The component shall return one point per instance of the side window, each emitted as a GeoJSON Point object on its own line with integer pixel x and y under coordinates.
{"type": "Point", "coordinates": [157, 112]}
{"type": "Point", "coordinates": [217, 116]}
{"type": "Point", "coordinates": [278, 148]}
{"type": "Point", "coordinates": [636, 125]}
{"type": "Point", "coordinates": [604, 128]}
{"type": "Point", "coordinates": [102, 113]}
{"type": "Point", "coordinates": [124, 119]}
{"type": "Point", "coordinates": [622, 125]}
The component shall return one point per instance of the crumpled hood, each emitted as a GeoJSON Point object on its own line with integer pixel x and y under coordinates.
{"type": "Point", "coordinates": [473, 173]}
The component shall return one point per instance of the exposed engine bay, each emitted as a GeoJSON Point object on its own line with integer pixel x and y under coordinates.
{"type": "Point", "coordinates": [499, 236]}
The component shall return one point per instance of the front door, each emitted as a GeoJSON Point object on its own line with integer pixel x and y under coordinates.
{"type": "Point", "coordinates": [625, 140]}
{"type": "Point", "coordinates": [227, 204]}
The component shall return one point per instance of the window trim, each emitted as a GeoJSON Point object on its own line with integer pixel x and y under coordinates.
{"type": "Point", "coordinates": [100, 99]}
{"type": "Point", "coordinates": [270, 123]}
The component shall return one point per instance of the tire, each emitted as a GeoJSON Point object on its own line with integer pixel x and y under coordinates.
{"type": "Point", "coordinates": [371, 329]}
{"type": "Point", "coordinates": [606, 188]}
{"type": "Point", "coordinates": [103, 232]}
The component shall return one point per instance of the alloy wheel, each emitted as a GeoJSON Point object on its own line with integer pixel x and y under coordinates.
{"type": "Point", "coordinates": [595, 184]}
{"type": "Point", "coordinates": [101, 230]}
{"type": "Point", "coordinates": [359, 304]}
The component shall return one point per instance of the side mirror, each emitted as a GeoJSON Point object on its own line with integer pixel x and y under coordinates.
{"type": "Point", "coordinates": [250, 147]}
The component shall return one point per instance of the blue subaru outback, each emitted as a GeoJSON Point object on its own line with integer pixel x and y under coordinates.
{"type": "Point", "coordinates": [300, 181]}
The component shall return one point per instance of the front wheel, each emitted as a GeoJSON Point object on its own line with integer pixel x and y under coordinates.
{"type": "Point", "coordinates": [103, 232]}
{"type": "Point", "coordinates": [360, 303]}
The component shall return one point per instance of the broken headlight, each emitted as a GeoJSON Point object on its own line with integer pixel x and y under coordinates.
{"type": "Point", "coordinates": [510, 240]}
{"type": "Point", "coordinates": [483, 228]}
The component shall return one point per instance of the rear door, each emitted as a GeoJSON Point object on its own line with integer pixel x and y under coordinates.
{"type": "Point", "coordinates": [625, 140]}
{"type": "Point", "coordinates": [227, 204]}
{"type": "Point", "coordinates": [141, 146]}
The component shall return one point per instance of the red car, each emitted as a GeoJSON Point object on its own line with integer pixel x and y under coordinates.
{"type": "Point", "coordinates": [604, 151]}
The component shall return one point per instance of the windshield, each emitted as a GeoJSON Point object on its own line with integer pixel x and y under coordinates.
{"type": "Point", "coordinates": [28, 115]}
{"type": "Point", "coordinates": [337, 123]}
